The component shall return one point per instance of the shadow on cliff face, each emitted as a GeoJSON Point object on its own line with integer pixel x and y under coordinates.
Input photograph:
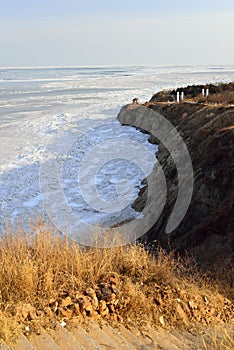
{"type": "Point", "coordinates": [207, 230]}
{"type": "Point", "coordinates": [211, 150]}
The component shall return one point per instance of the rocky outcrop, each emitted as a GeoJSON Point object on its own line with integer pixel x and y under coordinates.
{"type": "Point", "coordinates": [207, 229]}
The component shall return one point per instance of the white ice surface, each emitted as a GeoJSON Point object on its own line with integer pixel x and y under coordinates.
{"type": "Point", "coordinates": [24, 145]}
{"type": "Point", "coordinates": [41, 107]}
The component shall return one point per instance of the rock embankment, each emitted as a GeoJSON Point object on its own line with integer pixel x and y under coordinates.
{"type": "Point", "coordinates": [207, 130]}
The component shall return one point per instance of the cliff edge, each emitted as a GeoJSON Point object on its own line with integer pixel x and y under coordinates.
{"type": "Point", "coordinates": [207, 230]}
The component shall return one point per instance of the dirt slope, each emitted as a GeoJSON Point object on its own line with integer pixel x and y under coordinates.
{"type": "Point", "coordinates": [207, 130]}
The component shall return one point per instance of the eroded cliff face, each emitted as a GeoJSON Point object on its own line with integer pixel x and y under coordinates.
{"type": "Point", "coordinates": [207, 229]}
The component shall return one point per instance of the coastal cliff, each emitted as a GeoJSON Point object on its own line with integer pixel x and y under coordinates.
{"type": "Point", "coordinates": [206, 231]}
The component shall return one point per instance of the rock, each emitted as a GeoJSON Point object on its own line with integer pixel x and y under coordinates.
{"type": "Point", "coordinates": [49, 312]}
{"type": "Point", "coordinates": [107, 294]}
{"type": "Point", "coordinates": [53, 304]}
{"type": "Point", "coordinates": [140, 201]}
{"type": "Point", "coordinates": [84, 302]}
{"type": "Point", "coordinates": [103, 309]}
{"type": "Point", "coordinates": [102, 305]}
{"type": "Point", "coordinates": [113, 317]}
{"type": "Point", "coordinates": [66, 313]}
{"type": "Point", "coordinates": [26, 312]}
{"type": "Point", "coordinates": [153, 140]}
{"type": "Point", "coordinates": [119, 318]}
{"type": "Point", "coordinates": [192, 305]}
{"type": "Point", "coordinates": [104, 312]}
{"type": "Point", "coordinates": [90, 292]}
{"type": "Point", "coordinates": [161, 320]}
{"type": "Point", "coordinates": [182, 315]}
{"type": "Point", "coordinates": [65, 302]}
{"type": "Point", "coordinates": [94, 300]}
{"type": "Point", "coordinates": [111, 308]}
{"type": "Point", "coordinates": [94, 315]}
{"type": "Point", "coordinates": [76, 309]}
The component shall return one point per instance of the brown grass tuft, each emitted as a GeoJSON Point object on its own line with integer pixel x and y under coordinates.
{"type": "Point", "coordinates": [40, 269]}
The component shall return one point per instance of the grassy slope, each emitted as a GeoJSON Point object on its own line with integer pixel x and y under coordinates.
{"type": "Point", "coordinates": [45, 277]}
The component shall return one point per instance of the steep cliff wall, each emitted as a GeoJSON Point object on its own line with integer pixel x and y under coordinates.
{"type": "Point", "coordinates": [207, 229]}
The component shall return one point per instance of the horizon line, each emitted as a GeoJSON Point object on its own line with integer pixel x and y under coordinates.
{"type": "Point", "coordinates": [115, 65]}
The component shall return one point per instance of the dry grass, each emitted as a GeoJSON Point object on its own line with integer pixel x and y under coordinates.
{"type": "Point", "coordinates": [222, 98]}
{"type": "Point", "coordinates": [40, 266]}
{"type": "Point", "coordinates": [218, 94]}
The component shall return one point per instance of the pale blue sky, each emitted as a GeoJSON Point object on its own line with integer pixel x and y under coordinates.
{"type": "Point", "coordinates": [102, 32]}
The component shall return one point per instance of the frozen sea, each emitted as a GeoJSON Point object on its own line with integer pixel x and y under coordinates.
{"type": "Point", "coordinates": [55, 119]}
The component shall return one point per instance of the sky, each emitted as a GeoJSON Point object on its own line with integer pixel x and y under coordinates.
{"type": "Point", "coordinates": [123, 32]}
